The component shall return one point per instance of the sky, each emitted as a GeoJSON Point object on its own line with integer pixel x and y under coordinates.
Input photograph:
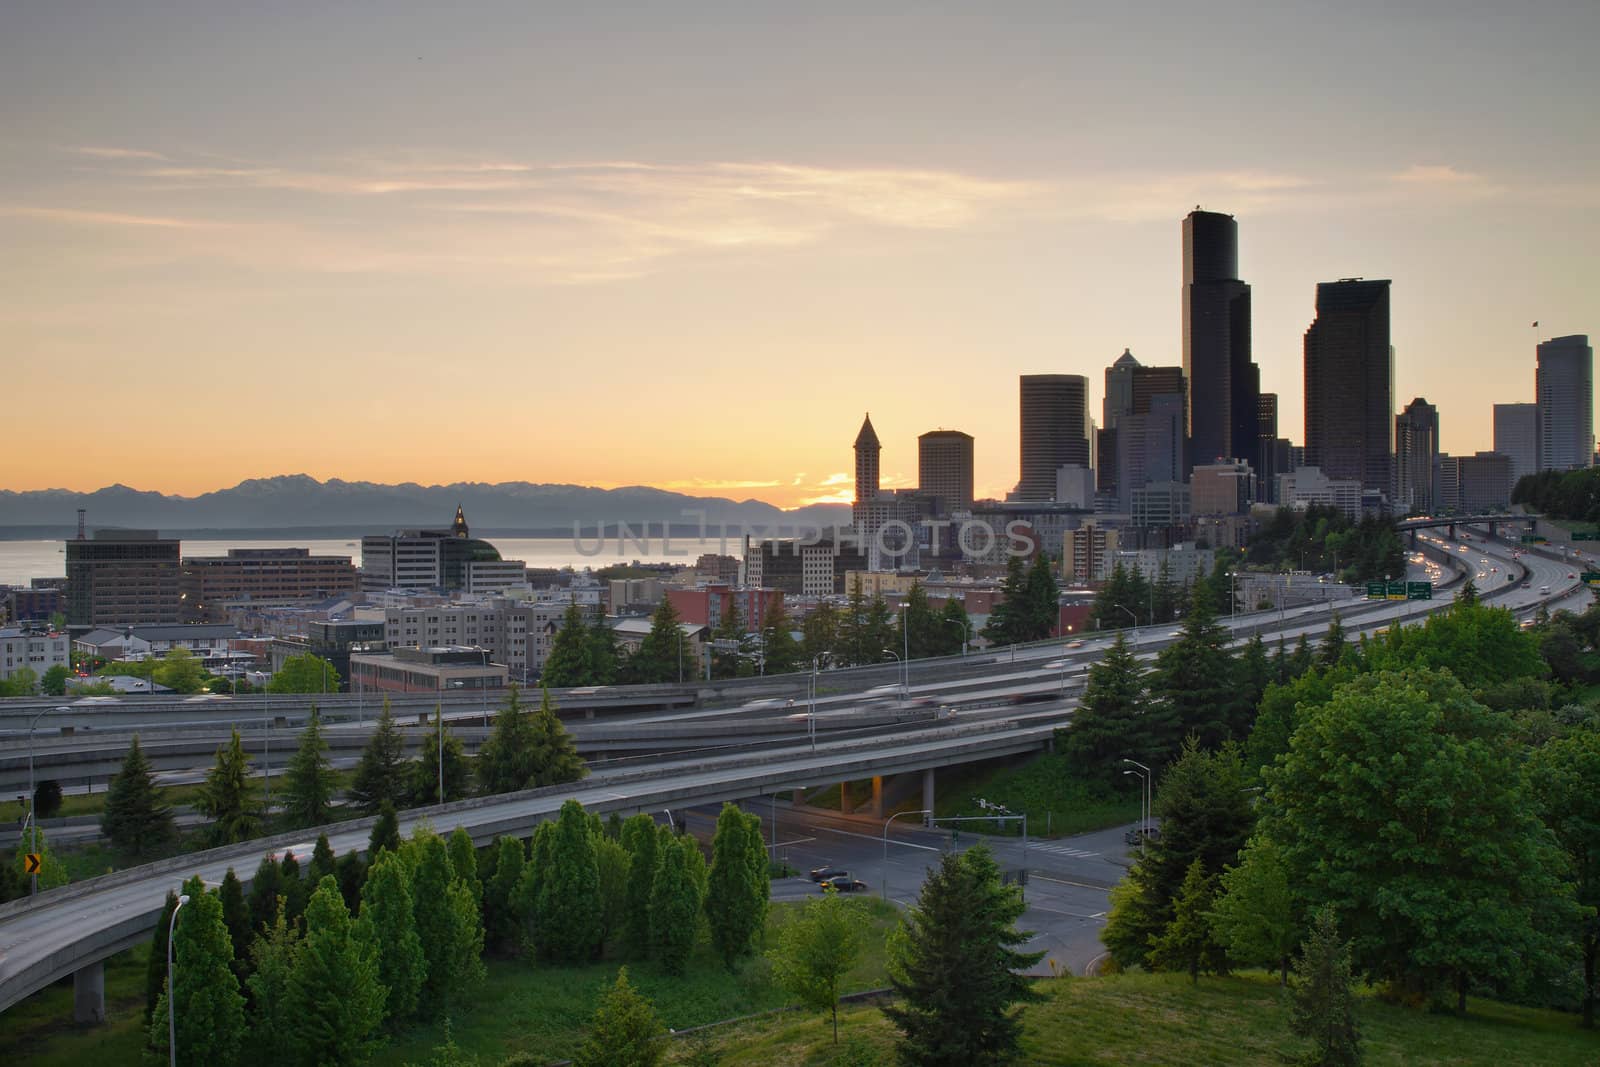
{"type": "Point", "coordinates": [689, 245]}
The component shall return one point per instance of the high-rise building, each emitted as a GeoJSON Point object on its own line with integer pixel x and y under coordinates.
{"type": "Point", "coordinates": [1416, 462]}
{"type": "Point", "coordinates": [1150, 447]}
{"type": "Point", "coordinates": [1516, 436]}
{"type": "Point", "coordinates": [1478, 484]}
{"type": "Point", "coordinates": [1564, 391]}
{"type": "Point", "coordinates": [867, 450]}
{"type": "Point", "coordinates": [1349, 376]}
{"type": "Point", "coordinates": [448, 560]}
{"type": "Point", "coordinates": [1221, 488]}
{"type": "Point", "coordinates": [1117, 402]}
{"type": "Point", "coordinates": [1267, 447]}
{"type": "Point", "coordinates": [123, 578]}
{"type": "Point", "coordinates": [944, 469]}
{"type": "Point", "coordinates": [1223, 382]}
{"type": "Point", "coordinates": [1055, 430]}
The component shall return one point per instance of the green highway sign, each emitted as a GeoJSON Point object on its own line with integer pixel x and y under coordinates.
{"type": "Point", "coordinates": [1590, 536]}
{"type": "Point", "coordinates": [1397, 590]}
{"type": "Point", "coordinates": [1376, 591]}
{"type": "Point", "coordinates": [1419, 590]}
{"type": "Point", "coordinates": [1590, 577]}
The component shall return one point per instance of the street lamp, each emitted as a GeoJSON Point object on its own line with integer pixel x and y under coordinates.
{"type": "Point", "coordinates": [438, 711]}
{"type": "Point", "coordinates": [811, 715]}
{"type": "Point", "coordinates": [1133, 619]}
{"type": "Point", "coordinates": [963, 625]}
{"type": "Point", "coordinates": [1141, 777]}
{"type": "Point", "coordinates": [904, 681]}
{"type": "Point", "coordinates": [883, 887]}
{"type": "Point", "coordinates": [172, 1001]}
{"type": "Point", "coordinates": [1144, 829]}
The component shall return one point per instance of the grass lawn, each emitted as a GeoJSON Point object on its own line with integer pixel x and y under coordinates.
{"type": "Point", "coordinates": [1162, 1019]}
{"type": "Point", "coordinates": [1042, 786]}
{"type": "Point", "coordinates": [522, 1007]}
{"type": "Point", "coordinates": [177, 796]}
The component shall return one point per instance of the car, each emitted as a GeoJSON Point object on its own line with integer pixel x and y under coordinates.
{"type": "Point", "coordinates": [1140, 834]}
{"type": "Point", "coordinates": [884, 690]}
{"type": "Point", "coordinates": [843, 883]}
{"type": "Point", "coordinates": [822, 874]}
{"type": "Point", "coordinates": [1032, 698]}
{"type": "Point", "coordinates": [1572, 576]}
{"type": "Point", "coordinates": [1075, 644]}
{"type": "Point", "coordinates": [764, 703]}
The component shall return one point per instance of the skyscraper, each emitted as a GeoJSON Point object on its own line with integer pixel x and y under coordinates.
{"type": "Point", "coordinates": [867, 450]}
{"type": "Point", "coordinates": [1266, 467]}
{"type": "Point", "coordinates": [1416, 448]}
{"type": "Point", "coordinates": [1349, 376]}
{"type": "Point", "coordinates": [1055, 431]}
{"type": "Point", "coordinates": [123, 578]}
{"type": "Point", "coordinates": [1516, 436]}
{"type": "Point", "coordinates": [1564, 391]}
{"type": "Point", "coordinates": [944, 468]}
{"type": "Point", "coordinates": [1223, 382]}
{"type": "Point", "coordinates": [1117, 402]}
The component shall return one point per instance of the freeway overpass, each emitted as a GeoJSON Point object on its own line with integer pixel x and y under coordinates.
{"type": "Point", "coordinates": [72, 930]}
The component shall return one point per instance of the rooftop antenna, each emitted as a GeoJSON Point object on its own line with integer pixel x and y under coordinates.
{"type": "Point", "coordinates": [80, 523]}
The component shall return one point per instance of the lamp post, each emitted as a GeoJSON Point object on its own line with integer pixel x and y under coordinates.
{"type": "Point", "coordinates": [883, 886]}
{"type": "Point", "coordinates": [1144, 828]}
{"type": "Point", "coordinates": [1131, 618]}
{"type": "Point", "coordinates": [811, 715]}
{"type": "Point", "coordinates": [1141, 777]}
{"type": "Point", "coordinates": [899, 662]}
{"type": "Point", "coordinates": [439, 714]}
{"type": "Point", "coordinates": [483, 687]}
{"type": "Point", "coordinates": [172, 1001]}
{"type": "Point", "coordinates": [958, 622]}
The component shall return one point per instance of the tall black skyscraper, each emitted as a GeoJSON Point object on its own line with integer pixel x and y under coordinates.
{"type": "Point", "coordinates": [1055, 431]}
{"type": "Point", "coordinates": [1350, 384]}
{"type": "Point", "coordinates": [1223, 382]}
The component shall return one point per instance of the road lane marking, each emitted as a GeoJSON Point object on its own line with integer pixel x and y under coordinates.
{"type": "Point", "coordinates": [870, 837]}
{"type": "Point", "coordinates": [1079, 885]}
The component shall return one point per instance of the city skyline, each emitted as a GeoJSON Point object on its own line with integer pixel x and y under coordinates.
{"type": "Point", "coordinates": [265, 243]}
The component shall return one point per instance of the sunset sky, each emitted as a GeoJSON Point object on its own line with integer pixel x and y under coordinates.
{"type": "Point", "coordinates": [688, 245]}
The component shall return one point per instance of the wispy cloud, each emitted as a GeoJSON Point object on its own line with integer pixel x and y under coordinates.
{"type": "Point", "coordinates": [83, 217]}
{"type": "Point", "coordinates": [117, 153]}
{"type": "Point", "coordinates": [1435, 174]}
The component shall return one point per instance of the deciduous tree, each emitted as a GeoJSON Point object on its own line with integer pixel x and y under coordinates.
{"type": "Point", "coordinates": [1254, 917]}
{"type": "Point", "coordinates": [336, 997]}
{"type": "Point", "coordinates": [304, 673]}
{"type": "Point", "coordinates": [816, 950]}
{"type": "Point", "coordinates": [389, 911]}
{"type": "Point", "coordinates": [736, 902]}
{"type": "Point", "coordinates": [569, 898]}
{"type": "Point", "coordinates": [499, 896]}
{"type": "Point", "coordinates": [209, 1013]}
{"type": "Point", "coordinates": [272, 1022]}
{"type": "Point", "coordinates": [674, 905]}
{"type": "Point", "coordinates": [639, 837]}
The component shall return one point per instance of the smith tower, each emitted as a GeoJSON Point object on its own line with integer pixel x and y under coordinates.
{"type": "Point", "coordinates": [867, 449]}
{"type": "Point", "coordinates": [1224, 384]}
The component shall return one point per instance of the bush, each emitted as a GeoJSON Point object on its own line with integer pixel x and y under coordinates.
{"type": "Point", "coordinates": [47, 799]}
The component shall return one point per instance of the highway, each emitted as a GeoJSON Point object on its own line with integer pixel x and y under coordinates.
{"type": "Point", "coordinates": [67, 930]}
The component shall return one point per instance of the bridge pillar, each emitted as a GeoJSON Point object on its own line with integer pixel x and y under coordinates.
{"type": "Point", "coordinates": [1413, 537]}
{"type": "Point", "coordinates": [798, 798]}
{"type": "Point", "coordinates": [89, 994]}
{"type": "Point", "coordinates": [927, 792]}
{"type": "Point", "coordinates": [1450, 532]}
{"type": "Point", "coordinates": [877, 796]}
{"type": "Point", "coordinates": [846, 803]}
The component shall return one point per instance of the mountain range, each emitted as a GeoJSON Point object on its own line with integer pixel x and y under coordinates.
{"type": "Point", "coordinates": [300, 502]}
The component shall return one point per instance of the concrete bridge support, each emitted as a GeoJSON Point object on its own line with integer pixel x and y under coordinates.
{"type": "Point", "coordinates": [877, 796]}
{"type": "Point", "coordinates": [847, 803]}
{"type": "Point", "coordinates": [927, 794]}
{"type": "Point", "coordinates": [89, 994]}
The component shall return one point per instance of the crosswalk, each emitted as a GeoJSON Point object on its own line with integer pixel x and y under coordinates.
{"type": "Point", "coordinates": [1063, 850]}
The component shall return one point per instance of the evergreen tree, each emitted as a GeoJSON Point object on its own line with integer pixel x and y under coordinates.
{"type": "Point", "coordinates": [1332, 643]}
{"type": "Point", "coordinates": [625, 1030]}
{"type": "Point", "coordinates": [816, 950]}
{"type": "Point", "coordinates": [425, 771]}
{"type": "Point", "coordinates": [611, 860]}
{"type": "Point", "coordinates": [781, 653]}
{"type": "Point", "coordinates": [209, 1007]}
{"type": "Point", "coordinates": [506, 762]}
{"type": "Point", "coordinates": [380, 777]}
{"type": "Point", "coordinates": [1164, 594]}
{"type": "Point", "coordinates": [464, 862]}
{"type": "Point", "coordinates": [295, 890]}
{"type": "Point", "coordinates": [335, 996]}
{"type": "Point", "coordinates": [735, 902]}
{"type": "Point", "coordinates": [730, 628]}
{"type": "Point", "coordinates": [499, 895]}
{"type": "Point", "coordinates": [389, 912]}
{"type": "Point", "coordinates": [1043, 596]}
{"type": "Point", "coordinates": [1113, 721]}
{"type": "Point", "coordinates": [639, 838]}
{"type": "Point", "coordinates": [954, 630]}
{"type": "Point", "coordinates": [351, 875]}
{"type": "Point", "coordinates": [555, 758]}
{"type": "Point", "coordinates": [228, 796]}
{"type": "Point", "coordinates": [855, 645]}
{"type": "Point", "coordinates": [530, 887]}
{"type": "Point", "coordinates": [662, 656]}
{"type": "Point", "coordinates": [879, 631]}
{"type": "Point", "coordinates": [1303, 659]}
{"type": "Point", "coordinates": [604, 655]}
{"type": "Point", "coordinates": [569, 662]}
{"type": "Point", "coordinates": [308, 781]}
{"type": "Point", "coordinates": [1194, 681]}
{"type": "Point", "coordinates": [272, 1022]}
{"type": "Point", "coordinates": [820, 633]}
{"type": "Point", "coordinates": [236, 917]}
{"type": "Point", "coordinates": [1008, 621]}
{"type": "Point", "coordinates": [266, 892]}
{"type": "Point", "coordinates": [1468, 594]}
{"type": "Point", "coordinates": [569, 898]}
{"type": "Point", "coordinates": [155, 971]}
{"type": "Point", "coordinates": [674, 905]}
{"type": "Point", "coordinates": [956, 967]}
{"type": "Point", "coordinates": [431, 876]}
{"type": "Point", "coordinates": [385, 832]}
{"type": "Point", "coordinates": [135, 820]}
{"type": "Point", "coordinates": [1254, 674]}
{"type": "Point", "coordinates": [1323, 1008]}
{"type": "Point", "coordinates": [1188, 944]}
{"type": "Point", "coordinates": [323, 863]}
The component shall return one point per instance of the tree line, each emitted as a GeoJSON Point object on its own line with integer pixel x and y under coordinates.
{"type": "Point", "coordinates": [1322, 538]}
{"type": "Point", "coordinates": [1425, 803]}
{"type": "Point", "coordinates": [1561, 494]}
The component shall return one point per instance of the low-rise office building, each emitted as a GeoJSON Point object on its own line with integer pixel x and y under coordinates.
{"type": "Point", "coordinates": [34, 649]}
{"type": "Point", "coordinates": [210, 585]}
{"type": "Point", "coordinates": [427, 670]}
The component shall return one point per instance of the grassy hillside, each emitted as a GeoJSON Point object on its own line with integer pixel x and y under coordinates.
{"type": "Point", "coordinates": [1162, 1019]}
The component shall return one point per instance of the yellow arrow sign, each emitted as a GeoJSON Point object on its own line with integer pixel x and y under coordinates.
{"type": "Point", "coordinates": [30, 863]}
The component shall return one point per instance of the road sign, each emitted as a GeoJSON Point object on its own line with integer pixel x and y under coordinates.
{"type": "Point", "coordinates": [1590, 536]}
{"type": "Point", "coordinates": [726, 645]}
{"type": "Point", "coordinates": [31, 863]}
{"type": "Point", "coordinates": [1376, 591]}
{"type": "Point", "coordinates": [1419, 590]}
{"type": "Point", "coordinates": [1590, 578]}
{"type": "Point", "coordinates": [1397, 590]}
